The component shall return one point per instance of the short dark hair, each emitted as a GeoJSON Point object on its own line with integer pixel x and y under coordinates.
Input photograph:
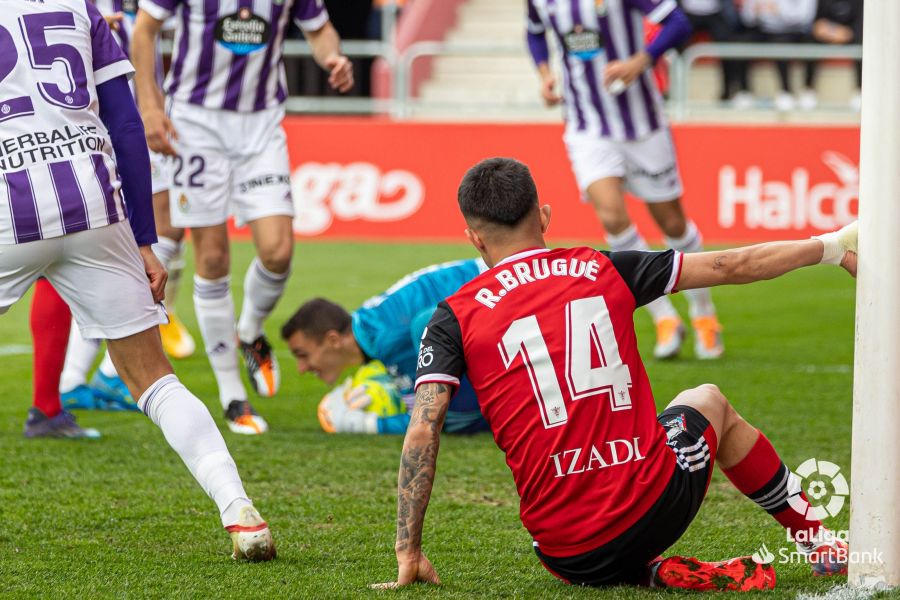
{"type": "Point", "coordinates": [500, 191]}
{"type": "Point", "coordinates": [317, 317]}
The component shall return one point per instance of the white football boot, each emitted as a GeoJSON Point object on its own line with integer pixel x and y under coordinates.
{"type": "Point", "coordinates": [251, 537]}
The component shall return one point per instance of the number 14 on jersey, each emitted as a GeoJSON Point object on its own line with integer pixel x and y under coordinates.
{"type": "Point", "coordinates": [588, 327]}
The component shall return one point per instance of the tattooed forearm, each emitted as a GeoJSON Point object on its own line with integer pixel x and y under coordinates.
{"type": "Point", "coordinates": [719, 263]}
{"type": "Point", "coordinates": [427, 407]}
{"type": "Point", "coordinates": [417, 463]}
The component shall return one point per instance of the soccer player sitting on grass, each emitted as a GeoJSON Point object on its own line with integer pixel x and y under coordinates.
{"type": "Point", "coordinates": [381, 340]}
{"type": "Point", "coordinates": [547, 339]}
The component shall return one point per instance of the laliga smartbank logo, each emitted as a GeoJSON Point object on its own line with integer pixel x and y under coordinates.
{"type": "Point", "coordinates": [765, 203]}
{"type": "Point", "coordinates": [826, 491]}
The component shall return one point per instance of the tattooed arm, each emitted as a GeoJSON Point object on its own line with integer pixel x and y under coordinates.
{"type": "Point", "coordinates": [417, 467]}
{"type": "Point", "coordinates": [754, 263]}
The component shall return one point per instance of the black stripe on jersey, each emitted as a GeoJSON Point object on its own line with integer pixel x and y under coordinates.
{"type": "Point", "coordinates": [647, 274]}
{"type": "Point", "coordinates": [441, 348]}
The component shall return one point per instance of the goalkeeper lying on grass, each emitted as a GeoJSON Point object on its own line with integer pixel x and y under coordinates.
{"type": "Point", "coordinates": [376, 350]}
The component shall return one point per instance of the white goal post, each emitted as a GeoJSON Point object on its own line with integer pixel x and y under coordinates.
{"type": "Point", "coordinates": [875, 487]}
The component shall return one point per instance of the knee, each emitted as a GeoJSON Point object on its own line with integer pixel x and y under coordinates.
{"type": "Point", "coordinates": [213, 263]}
{"type": "Point", "coordinates": [713, 395]}
{"type": "Point", "coordinates": [276, 256]}
{"type": "Point", "coordinates": [614, 220]}
{"type": "Point", "coordinates": [673, 226]}
{"type": "Point", "coordinates": [167, 231]}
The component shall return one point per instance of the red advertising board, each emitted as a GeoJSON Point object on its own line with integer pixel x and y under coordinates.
{"type": "Point", "coordinates": [378, 179]}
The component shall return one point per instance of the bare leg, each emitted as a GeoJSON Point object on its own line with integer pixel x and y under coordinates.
{"type": "Point", "coordinates": [607, 196]}
{"type": "Point", "coordinates": [177, 340]}
{"type": "Point", "coordinates": [748, 459]}
{"type": "Point", "coordinates": [163, 218]}
{"type": "Point", "coordinates": [267, 276]}
{"type": "Point", "coordinates": [682, 235]}
{"type": "Point", "coordinates": [264, 285]}
{"type": "Point", "coordinates": [669, 216]}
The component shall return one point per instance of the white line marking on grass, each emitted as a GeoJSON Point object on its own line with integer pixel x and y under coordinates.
{"type": "Point", "coordinates": [14, 350]}
{"type": "Point", "coordinates": [814, 369]}
{"type": "Point", "coordinates": [844, 592]}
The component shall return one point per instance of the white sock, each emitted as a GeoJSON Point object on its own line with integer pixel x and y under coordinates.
{"type": "Point", "coordinates": [215, 316]}
{"type": "Point", "coordinates": [171, 254]}
{"type": "Point", "coordinates": [80, 356]}
{"type": "Point", "coordinates": [107, 367]}
{"type": "Point", "coordinates": [191, 432]}
{"type": "Point", "coordinates": [631, 239]}
{"type": "Point", "coordinates": [262, 290]}
{"type": "Point", "coordinates": [165, 250]}
{"type": "Point", "coordinates": [699, 301]}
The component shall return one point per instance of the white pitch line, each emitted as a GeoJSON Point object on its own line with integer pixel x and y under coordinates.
{"type": "Point", "coordinates": [813, 369]}
{"type": "Point", "coordinates": [15, 350]}
{"type": "Point", "coordinates": [845, 592]}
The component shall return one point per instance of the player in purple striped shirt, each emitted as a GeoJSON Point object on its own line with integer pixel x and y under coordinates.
{"type": "Point", "coordinates": [177, 341]}
{"type": "Point", "coordinates": [222, 126]}
{"type": "Point", "coordinates": [617, 136]}
{"type": "Point", "coordinates": [64, 217]}
{"type": "Point", "coordinates": [106, 391]}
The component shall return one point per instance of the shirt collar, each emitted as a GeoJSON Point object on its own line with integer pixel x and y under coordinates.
{"type": "Point", "coordinates": [522, 254]}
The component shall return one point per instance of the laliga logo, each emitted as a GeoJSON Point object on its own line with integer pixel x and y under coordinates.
{"type": "Point", "coordinates": [323, 192]}
{"type": "Point", "coordinates": [821, 479]}
{"type": "Point", "coordinates": [776, 205]}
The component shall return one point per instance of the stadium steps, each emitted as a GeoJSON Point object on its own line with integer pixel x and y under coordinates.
{"type": "Point", "coordinates": [505, 87]}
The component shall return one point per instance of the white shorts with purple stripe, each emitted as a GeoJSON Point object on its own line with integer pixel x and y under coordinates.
{"type": "Point", "coordinates": [98, 272]}
{"type": "Point", "coordinates": [648, 166]}
{"type": "Point", "coordinates": [229, 163]}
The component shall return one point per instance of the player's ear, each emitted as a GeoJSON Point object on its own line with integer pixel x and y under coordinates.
{"type": "Point", "coordinates": [545, 218]}
{"type": "Point", "coordinates": [475, 239]}
{"type": "Point", "coordinates": [332, 338]}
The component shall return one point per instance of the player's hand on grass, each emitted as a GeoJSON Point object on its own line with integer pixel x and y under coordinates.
{"type": "Point", "coordinates": [548, 91]}
{"type": "Point", "coordinates": [113, 20]}
{"type": "Point", "coordinates": [159, 131]}
{"type": "Point", "coordinates": [156, 273]}
{"type": "Point", "coordinates": [626, 70]}
{"type": "Point", "coordinates": [412, 567]}
{"type": "Point", "coordinates": [340, 73]}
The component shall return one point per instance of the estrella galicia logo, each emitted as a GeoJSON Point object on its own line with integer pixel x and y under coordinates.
{"type": "Point", "coordinates": [584, 44]}
{"type": "Point", "coordinates": [243, 32]}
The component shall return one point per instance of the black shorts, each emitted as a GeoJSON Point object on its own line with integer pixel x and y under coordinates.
{"type": "Point", "coordinates": [624, 560]}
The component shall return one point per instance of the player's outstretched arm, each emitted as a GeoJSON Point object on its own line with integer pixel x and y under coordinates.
{"type": "Point", "coordinates": [417, 468]}
{"type": "Point", "coordinates": [770, 260]}
{"type": "Point", "coordinates": [157, 126]}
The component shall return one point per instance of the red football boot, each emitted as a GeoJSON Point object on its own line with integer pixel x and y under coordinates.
{"type": "Point", "coordinates": [737, 574]}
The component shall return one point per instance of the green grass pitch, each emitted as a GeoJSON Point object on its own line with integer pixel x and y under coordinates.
{"type": "Point", "coordinates": [121, 517]}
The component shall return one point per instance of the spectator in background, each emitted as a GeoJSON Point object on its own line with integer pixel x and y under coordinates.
{"type": "Point", "coordinates": [781, 22]}
{"type": "Point", "coordinates": [840, 22]}
{"type": "Point", "coordinates": [719, 19]}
